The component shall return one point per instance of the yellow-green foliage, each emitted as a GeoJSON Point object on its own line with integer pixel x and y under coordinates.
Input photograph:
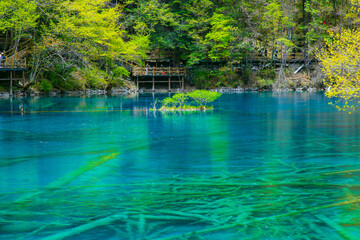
{"type": "Point", "coordinates": [168, 102]}
{"type": "Point", "coordinates": [179, 101]}
{"type": "Point", "coordinates": [206, 78]}
{"type": "Point", "coordinates": [44, 85]}
{"type": "Point", "coordinates": [72, 33]}
{"type": "Point", "coordinates": [89, 78]}
{"type": "Point", "coordinates": [219, 37]}
{"type": "Point", "coordinates": [340, 60]}
{"type": "Point", "coordinates": [265, 83]}
{"type": "Point", "coordinates": [93, 30]}
{"type": "Point", "coordinates": [203, 97]}
{"type": "Point", "coordinates": [17, 15]}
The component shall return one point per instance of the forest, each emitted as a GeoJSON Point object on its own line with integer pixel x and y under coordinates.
{"type": "Point", "coordinates": [77, 44]}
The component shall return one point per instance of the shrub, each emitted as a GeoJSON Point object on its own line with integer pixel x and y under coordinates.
{"type": "Point", "coordinates": [44, 85]}
{"type": "Point", "coordinates": [96, 78]}
{"type": "Point", "coordinates": [265, 83]}
{"type": "Point", "coordinates": [120, 72]}
{"type": "Point", "coordinates": [168, 102]}
{"type": "Point", "coordinates": [202, 97]}
{"type": "Point", "coordinates": [268, 74]}
{"type": "Point", "coordinates": [180, 99]}
{"type": "Point", "coordinates": [116, 77]}
{"type": "Point", "coordinates": [205, 78]}
{"type": "Point", "coordinates": [89, 78]}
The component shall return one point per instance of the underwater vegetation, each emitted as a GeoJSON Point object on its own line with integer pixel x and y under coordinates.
{"type": "Point", "coordinates": [293, 203]}
{"type": "Point", "coordinates": [286, 170]}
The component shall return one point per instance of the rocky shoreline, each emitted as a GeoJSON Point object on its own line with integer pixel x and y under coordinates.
{"type": "Point", "coordinates": [127, 91]}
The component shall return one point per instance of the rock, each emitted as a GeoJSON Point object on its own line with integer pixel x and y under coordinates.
{"type": "Point", "coordinates": [4, 95]}
{"type": "Point", "coordinates": [251, 89]}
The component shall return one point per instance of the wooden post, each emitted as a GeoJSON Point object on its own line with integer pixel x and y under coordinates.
{"type": "Point", "coordinates": [182, 84]}
{"type": "Point", "coordinates": [137, 83]}
{"type": "Point", "coordinates": [169, 83]}
{"type": "Point", "coordinates": [11, 104]}
{"type": "Point", "coordinates": [23, 79]}
{"type": "Point", "coordinates": [153, 83]}
{"type": "Point", "coordinates": [11, 84]}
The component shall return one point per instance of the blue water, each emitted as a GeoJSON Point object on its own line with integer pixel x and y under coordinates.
{"type": "Point", "coordinates": [260, 166]}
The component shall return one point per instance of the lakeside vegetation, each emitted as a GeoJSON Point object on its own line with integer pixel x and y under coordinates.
{"type": "Point", "coordinates": [76, 45]}
{"type": "Point", "coordinates": [181, 101]}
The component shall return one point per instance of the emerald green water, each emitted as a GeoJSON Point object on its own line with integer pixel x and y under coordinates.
{"type": "Point", "coordinates": [260, 166]}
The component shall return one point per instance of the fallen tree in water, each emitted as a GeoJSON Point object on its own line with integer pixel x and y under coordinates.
{"type": "Point", "coordinates": [293, 202]}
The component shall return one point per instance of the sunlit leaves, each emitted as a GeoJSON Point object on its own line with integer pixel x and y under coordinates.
{"type": "Point", "coordinates": [89, 33]}
{"type": "Point", "coordinates": [340, 61]}
{"type": "Point", "coordinates": [17, 15]}
{"type": "Point", "coordinates": [220, 37]}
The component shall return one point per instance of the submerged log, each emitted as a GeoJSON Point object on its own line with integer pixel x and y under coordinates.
{"type": "Point", "coordinates": [339, 229]}
{"type": "Point", "coordinates": [342, 172]}
{"type": "Point", "coordinates": [69, 177]}
{"type": "Point", "coordinates": [271, 218]}
{"type": "Point", "coordinates": [23, 227]}
{"type": "Point", "coordinates": [83, 228]}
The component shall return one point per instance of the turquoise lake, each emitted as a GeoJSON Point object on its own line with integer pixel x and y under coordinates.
{"type": "Point", "coordinates": [260, 166]}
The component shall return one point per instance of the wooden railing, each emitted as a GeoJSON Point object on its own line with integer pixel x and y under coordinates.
{"type": "Point", "coordinates": [13, 63]}
{"type": "Point", "coordinates": [21, 47]}
{"type": "Point", "coordinates": [4, 41]}
{"type": "Point", "coordinates": [270, 56]}
{"type": "Point", "coordinates": [131, 63]}
{"type": "Point", "coordinates": [159, 71]}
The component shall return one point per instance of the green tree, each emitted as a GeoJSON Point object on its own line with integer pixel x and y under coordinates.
{"type": "Point", "coordinates": [340, 63]}
{"type": "Point", "coordinates": [18, 17]}
{"type": "Point", "coordinates": [203, 97]}
{"type": "Point", "coordinates": [220, 37]}
{"type": "Point", "coordinates": [168, 102]}
{"type": "Point", "coordinates": [180, 99]}
{"type": "Point", "coordinates": [75, 36]}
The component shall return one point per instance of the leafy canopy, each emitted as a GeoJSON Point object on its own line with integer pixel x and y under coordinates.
{"type": "Point", "coordinates": [340, 61]}
{"type": "Point", "coordinates": [200, 97]}
{"type": "Point", "coordinates": [203, 97]}
{"type": "Point", "coordinates": [17, 15]}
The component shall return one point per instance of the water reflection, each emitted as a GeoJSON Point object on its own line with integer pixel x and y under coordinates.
{"type": "Point", "coordinates": [225, 172]}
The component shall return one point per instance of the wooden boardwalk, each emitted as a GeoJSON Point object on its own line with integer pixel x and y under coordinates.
{"type": "Point", "coordinates": [154, 75]}
{"type": "Point", "coordinates": [13, 64]}
{"type": "Point", "coordinates": [10, 67]}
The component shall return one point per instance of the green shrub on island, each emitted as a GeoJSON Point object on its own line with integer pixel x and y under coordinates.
{"type": "Point", "coordinates": [169, 102]}
{"type": "Point", "coordinates": [179, 101]}
{"type": "Point", "coordinates": [203, 97]}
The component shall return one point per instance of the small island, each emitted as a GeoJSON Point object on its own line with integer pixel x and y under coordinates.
{"type": "Point", "coordinates": [192, 101]}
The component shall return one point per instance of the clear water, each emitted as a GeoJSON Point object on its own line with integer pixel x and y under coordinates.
{"type": "Point", "coordinates": [260, 166]}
